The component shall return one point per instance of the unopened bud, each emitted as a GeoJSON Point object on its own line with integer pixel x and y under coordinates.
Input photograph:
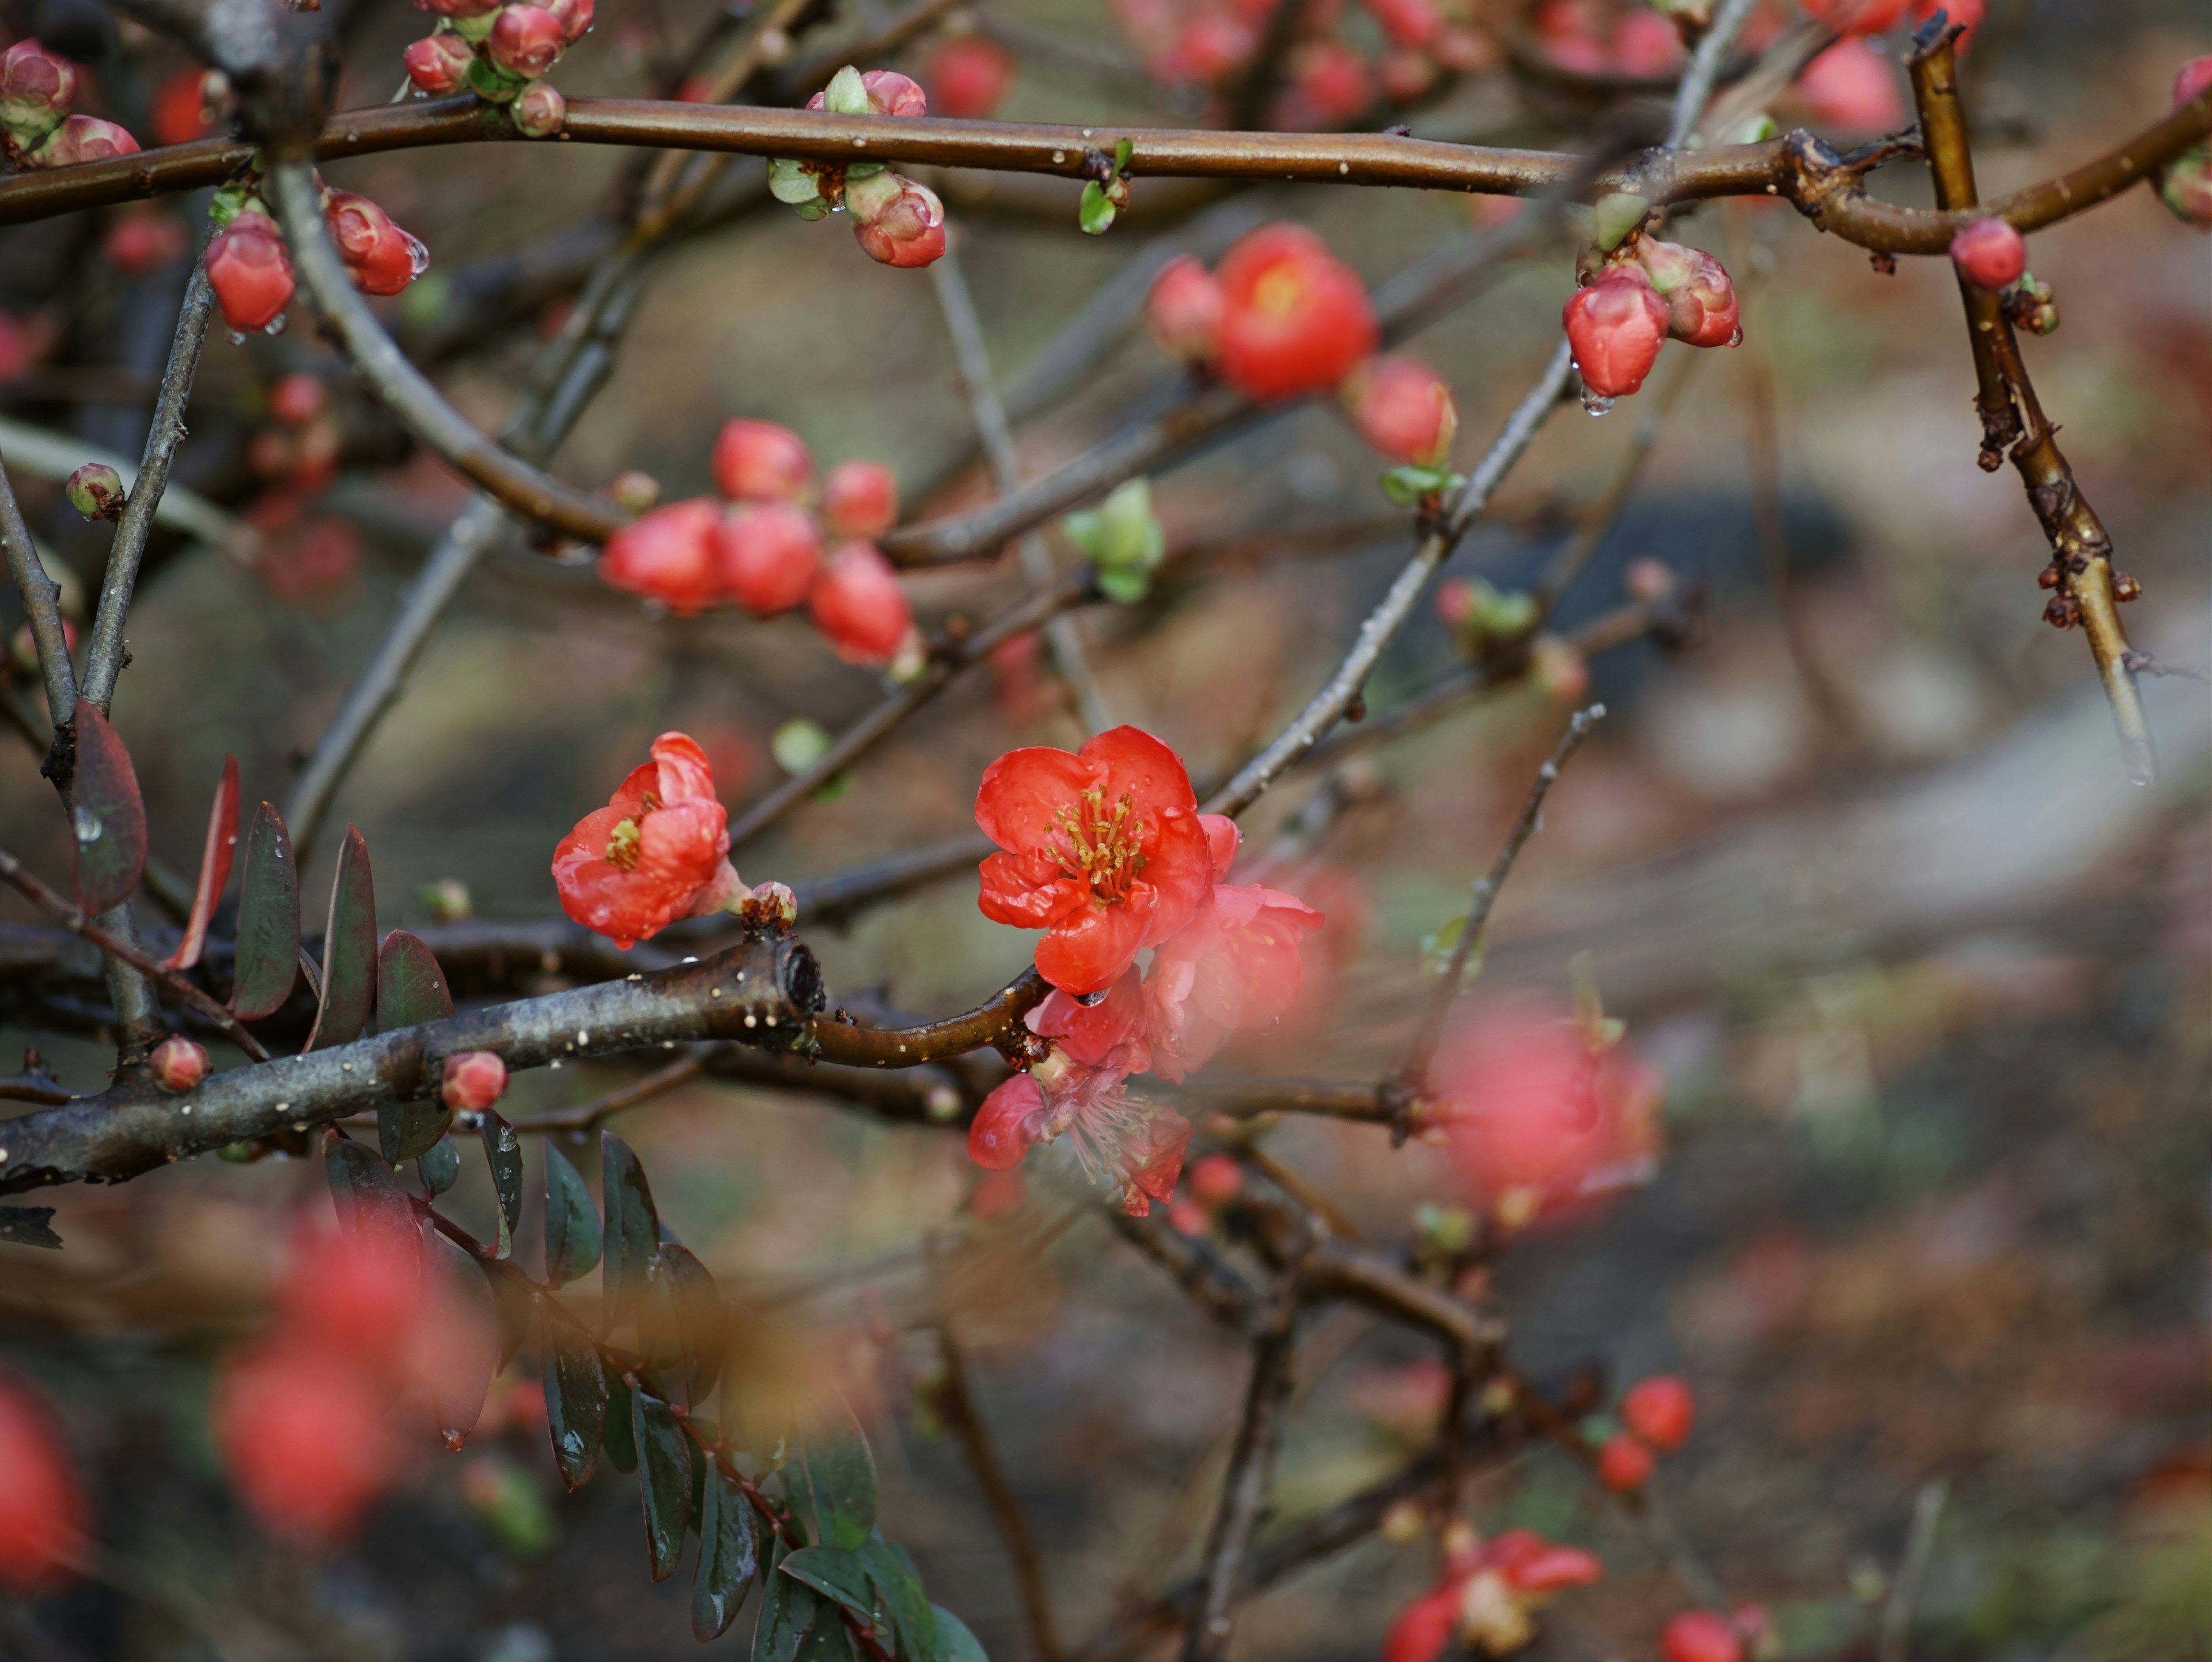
{"type": "Point", "coordinates": [448, 899]}
{"type": "Point", "coordinates": [36, 87]}
{"type": "Point", "coordinates": [1701, 303]}
{"type": "Point", "coordinates": [1404, 1524]}
{"type": "Point", "coordinates": [1404, 408]}
{"type": "Point", "coordinates": [1989, 253]}
{"type": "Point", "coordinates": [1184, 310]}
{"type": "Point", "coordinates": [574, 17]}
{"type": "Point", "coordinates": [438, 64]}
{"type": "Point", "coordinates": [525, 41]}
{"type": "Point", "coordinates": [634, 492]}
{"type": "Point", "coordinates": [540, 113]}
{"type": "Point", "coordinates": [770, 554]}
{"type": "Point", "coordinates": [879, 92]}
{"type": "Point", "coordinates": [2125, 588]}
{"type": "Point", "coordinates": [298, 399]}
{"type": "Point", "coordinates": [473, 1081]}
{"type": "Point", "coordinates": [769, 906]}
{"type": "Point", "coordinates": [897, 221]}
{"type": "Point", "coordinates": [95, 490]}
{"type": "Point", "coordinates": [249, 270]}
{"type": "Point", "coordinates": [859, 499]}
{"type": "Point", "coordinates": [177, 1065]}
{"type": "Point", "coordinates": [1616, 327]}
{"type": "Point", "coordinates": [858, 603]}
{"type": "Point", "coordinates": [761, 461]}
{"type": "Point", "coordinates": [2032, 305]}
{"type": "Point", "coordinates": [81, 138]}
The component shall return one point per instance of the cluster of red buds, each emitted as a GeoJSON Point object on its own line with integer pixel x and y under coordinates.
{"type": "Point", "coordinates": [1282, 317]}
{"type": "Point", "coordinates": [1992, 255]}
{"type": "Point", "coordinates": [2184, 184]}
{"type": "Point", "coordinates": [762, 547]}
{"type": "Point", "coordinates": [1637, 292]}
{"type": "Point", "coordinates": [250, 271]}
{"type": "Point", "coordinates": [299, 447]}
{"type": "Point", "coordinates": [1645, 41]}
{"type": "Point", "coordinates": [500, 53]}
{"type": "Point", "coordinates": [1655, 1418]}
{"type": "Point", "coordinates": [36, 128]}
{"type": "Point", "coordinates": [896, 221]}
{"type": "Point", "coordinates": [1487, 1594]}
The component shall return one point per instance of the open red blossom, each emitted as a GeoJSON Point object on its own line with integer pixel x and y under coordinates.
{"type": "Point", "coordinates": [1424, 1628]}
{"type": "Point", "coordinates": [1110, 1033]}
{"type": "Point", "coordinates": [1531, 1564]}
{"type": "Point", "coordinates": [670, 555]}
{"type": "Point", "coordinates": [1237, 964]}
{"type": "Point", "coordinates": [1006, 1127]}
{"type": "Point", "coordinates": [1103, 850]}
{"type": "Point", "coordinates": [1294, 318]}
{"type": "Point", "coordinates": [658, 851]}
{"type": "Point", "coordinates": [42, 1511]}
{"type": "Point", "coordinates": [1154, 1161]}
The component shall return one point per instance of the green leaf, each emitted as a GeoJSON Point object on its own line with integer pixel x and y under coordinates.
{"type": "Point", "coordinates": [368, 1198]}
{"type": "Point", "coordinates": [846, 93]}
{"type": "Point", "coordinates": [575, 1397]}
{"type": "Point", "coordinates": [664, 1481]}
{"type": "Point", "coordinates": [1122, 152]}
{"type": "Point", "coordinates": [407, 1130]}
{"type": "Point", "coordinates": [729, 1553]}
{"type": "Point", "coordinates": [1125, 586]}
{"type": "Point", "coordinates": [348, 950]}
{"type": "Point", "coordinates": [631, 1233]}
{"type": "Point", "coordinates": [214, 867]}
{"type": "Point", "coordinates": [788, 1610]}
{"type": "Point", "coordinates": [1437, 947]}
{"type": "Point", "coordinates": [503, 1154]}
{"type": "Point", "coordinates": [1618, 214]}
{"type": "Point", "coordinates": [842, 1576]}
{"type": "Point", "coordinates": [620, 1436]}
{"type": "Point", "coordinates": [1409, 486]}
{"type": "Point", "coordinates": [440, 1164]}
{"type": "Point", "coordinates": [108, 817]}
{"type": "Point", "coordinates": [954, 1642]}
{"type": "Point", "coordinates": [841, 1475]}
{"type": "Point", "coordinates": [410, 988]}
{"type": "Point", "coordinates": [1095, 213]}
{"type": "Point", "coordinates": [701, 1318]}
{"type": "Point", "coordinates": [828, 1641]}
{"type": "Point", "coordinates": [572, 1223]}
{"type": "Point", "coordinates": [791, 184]}
{"type": "Point", "coordinates": [268, 920]}
{"type": "Point", "coordinates": [898, 1589]}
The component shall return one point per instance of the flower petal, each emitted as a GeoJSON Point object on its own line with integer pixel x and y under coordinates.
{"type": "Point", "coordinates": [685, 775]}
{"type": "Point", "coordinates": [1028, 893]}
{"type": "Point", "coordinates": [1086, 952]}
{"type": "Point", "coordinates": [1023, 789]}
{"type": "Point", "coordinates": [1222, 840]}
{"type": "Point", "coordinates": [1132, 760]}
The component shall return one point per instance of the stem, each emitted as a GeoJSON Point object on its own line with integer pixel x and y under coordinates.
{"type": "Point", "coordinates": [956, 1405]}
{"type": "Point", "coordinates": [1245, 1490]}
{"type": "Point", "coordinates": [42, 600]}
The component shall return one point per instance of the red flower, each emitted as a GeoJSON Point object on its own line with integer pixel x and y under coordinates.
{"type": "Point", "coordinates": [658, 851]}
{"type": "Point", "coordinates": [1007, 1125]}
{"type": "Point", "coordinates": [761, 461]}
{"type": "Point", "coordinates": [1989, 253]}
{"type": "Point", "coordinates": [1701, 304]}
{"type": "Point", "coordinates": [769, 552]}
{"type": "Point", "coordinates": [1404, 408]}
{"type": "Point", "coordinates": [1184, 311]}
{"type": "Point", "coordinates": [1154, 1162]}
{"type": "Point", "coordinates": [1103, 850]}
{"type": "Point", "coordinates": [1660, 1410]}
{"type": "Point", "coordinates": [473, 1081]}
{"type": "Point", "coordinates": [306, 1438]}
{"type": "Point", "coordinates": [1486, 1594]}
{"type": "Point", "coordinates": [41, 1506]}
{"type": "Point", "coordinates": [858, 603]}
{"type": "Point", "coordinates": [1235, 964]}
{"type": "Point", "coordinates": [249, 270]}
{"type": "Point", "coordinates": [141, 241]}
{"type": "Point", "coordinates": [1530, 1564]}
{"type": "Point", "coordinates": [1329, 87]}
{"type": "Point", "coordinates": [1409, 22]}
{"type": "Point", "coordinates": [969, 75]}
{"type": "Point", "coordinates": [860, 499]}
{"type": "Point", "coordinates": [670, 555]}
{"type": "Point", "coordinates": [1424, 1628]}
{"type": "Point", "coordinates": [1616, 327]}
{"type": "Point", "coordinates": [1294, 318]}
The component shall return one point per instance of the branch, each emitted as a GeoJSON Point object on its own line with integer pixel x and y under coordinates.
{"type": "Point", "coordinates": [104, 662]}
{"type": "Point", "coordinates": [1246, 1488]}
{"type": "Point", "coordinates": [42, 600]}
{"type": "Point", "coordinates": [997, 1022]}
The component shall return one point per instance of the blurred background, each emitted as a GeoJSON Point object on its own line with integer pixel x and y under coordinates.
{"type": "Point", "coordinates": [1927, 979]}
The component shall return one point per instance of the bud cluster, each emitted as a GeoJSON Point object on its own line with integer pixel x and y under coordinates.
{"type": "Point", "coordinates": [2184, 184]}
{"type": "Point", "coordinates": [298, 449]}
{"type": "Point", "coordinates": [896, 221]}
{"type": "Point", "coordinates": [251, 270]}
{"type": "Point", "coordinates": [36, 128]}
{"type": "Point", "coordinates": [1637, 292]}
{"type": "Point", "coordinates": [500, 53]}
{"type": "Point", "coordinates": [770, 545]}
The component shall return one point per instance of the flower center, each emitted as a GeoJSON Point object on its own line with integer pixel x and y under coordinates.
{"type": "Point", "coordinates": [622, 845]}
{"type": "Point", "coordinates": [1279, 292]}
{"type": "Point", "coordinates": [1101, 847]}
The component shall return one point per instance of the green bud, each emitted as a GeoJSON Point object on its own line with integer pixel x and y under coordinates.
{"type": "Point", "coordinates": [798, 744]}
{"type": "Point", "coordinates": [790, 183]}
{"type": "Point", "coordinates": [1617, 215]}
{"type": "Point", "coordinates": [846, 93]}
{"type": "Point", "coordinates": [1122, 538]}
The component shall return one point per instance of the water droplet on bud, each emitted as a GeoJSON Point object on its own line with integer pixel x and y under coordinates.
{"type": "Point", "coordinates": [237, 337]}
{"type": "Point", "coordinates": [1736, 338]}
{"type": "Point", "coordinates": [275, 326]}
{"type": "Point", "coordinates": [1596, 403]}
{"type": "Point", "coordinates": [418, 257]}
{"type": "Point", "coordinates": [85, 823]}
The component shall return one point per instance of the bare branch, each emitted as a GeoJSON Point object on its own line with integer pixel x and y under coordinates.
{"type": "Point", "coordinates": [1245, 1490]}
{"type": "Point", "coordinates": [42, 600]}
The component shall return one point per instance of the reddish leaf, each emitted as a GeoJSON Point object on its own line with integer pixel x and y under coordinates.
{"type": "Point", "coordinates": [268, 920]}
{"type": "Point", "coordinates": [214, 867]}
{"type": "Point", "coordinates": [108, 820]}
{"type": "Point", "coordinates": [348, 951]}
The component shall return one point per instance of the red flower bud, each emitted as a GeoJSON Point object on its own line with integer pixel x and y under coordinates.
{"type": "Point", "coordinates": [1851, 89]}
{"type": "Point", "coordinates": [306, 1439]}
{"type": "Point", "coordinates": [1989, 253]}
{"type": "Point", "coordinates": [1700, 1636]}
{"type": "Point", "coordinates": [967, 75]}
{"type": "Point", "coordinates": [1701, 304]}
{"type": "Point", "coordinates": [95, 490]}
{"type": "Point", "coordinates": [2193, 78]}
{"type": "Point", "coordinates": [1409, 22]}
{"type": "Point", "coordinates": [35, 90]}
{"type": "Point", "coordinates": [1624, 1464]}
{"type": "Point", "coordinates": [540, 111]}
{"type": "Point", "coordinates": [769, 553]}
{"type": "Point", "coordinates": [143, 242]}
{"type": "Point", "coordinates": [1646, 44]}
{"type": "Point", "coordinates": [180, 108]}
{"type": "Point", "coordinates": [889, 93]}
{"type": "Point", "coordinates": [42, 1511]}
{"type": "Point", "coordinates": [298, 399]}
{"type": "Point", "coordinates": [902, 226]}
{"type": "Point", "coordinates": [1184, 311]}
{"type": "Point", "coordinates": [1616, 327]}
{"type": "Point", "coordinates": [1007, 1124]}
{"type": "Point", "coordinates": [249, 270]}
{"type": "Point", "coordinates": [1661, 1411]}
{"type": "Point", "coordinates": [458, 8]}
{"type": "Point", "coordinates": [574, 17]}
{"type": "Point", "coordinates": [858, 603]}
{"type": "Point", "coordinates": [668, 555]}
{"type": "Point", "coordinates": [82, 138]}
{"type": "Point", "coordinates": [1404, 408]}
{"type": "Point", "coordinates": [1294, 320]}
{"type": "Point", "coordinates": [525, 41]}
{"type": "Point", "coordinates": [2184, 185]}
{"type": "Point", "coordinates": [438, 64]}
{"type": "Point", "coordinates": [177, 1064]}
{"type": "Point", "coordinates": [473, 1081]}
{"type": "Point", "coordinates": [1216, 1180]}
{"type": "Point", "coordinates": [860, 499]}
{"type": "Point", "coordinates": [761, 461]}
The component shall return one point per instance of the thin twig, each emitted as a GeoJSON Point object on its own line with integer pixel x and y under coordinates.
{"type": "Point", "coordinates": [1896, 1644]}
{"type": "Point", "coordinates": [43, 454]}
{"type": "Point", "coordinates": [1487, 889]}
{"type": "Point", "coordinates": [42, 598]}
{"type": "Point", "coordinates": [585, 1115]}
{"type": "Point", "coordinates": [1248, 1485]}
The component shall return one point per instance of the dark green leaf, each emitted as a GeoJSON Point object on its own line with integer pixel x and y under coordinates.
{"type": "Point", "coordinates": [695, 1511]}
{"type": "Point", "coordinates": [1095, 212]}
{"type": "Point", "coordinates": [268, 920]}
{"type": "Point", "coordinates": [572, 1224]}
{"type": "Point", "coordinates": [575, 1398]}
{"type": "Point", "coordinates": [410, 988]}
{"type": "Point", "coordinates": [701, 1318]}
{"type": "Point", "coordinates": [898, 1589]}
{"type": "Point", "coordinates": [839, 1575]}
{"type": "Point", "coordinates": [28, 1226]}
{"type": "Point", "coordinates": [828, 1641]}
{"type": "Point", "coordinates": [440, 1164]}
{"type": "Point", "coordinates": [368, 1198]}
{"type": "Point", "coordinates": [631, 1233]}
{"type": "Point", "coordinates": [620, 1436]}
{"type": "Point", "coordinates": [503, 1153]}
{"type": "Point", "coordinates": [348, 950]}
{"type": "Point", "coordinates": [406, 1130]}
{"type": "Point", "coordinates": [729, 1552]}
{"type": "Point", "coordinates": [664, 1481]}
{"type": "Point", "coordinates": [841, 1475]}
{"type": "Point", "coordinates": [954, 1642]}
{"type": "Point", "coordinates": [108, 819]}
{"type": "Point", "coordinates": [214, 867]}
{"type": "Point", "coordinates": [789, 1609]}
